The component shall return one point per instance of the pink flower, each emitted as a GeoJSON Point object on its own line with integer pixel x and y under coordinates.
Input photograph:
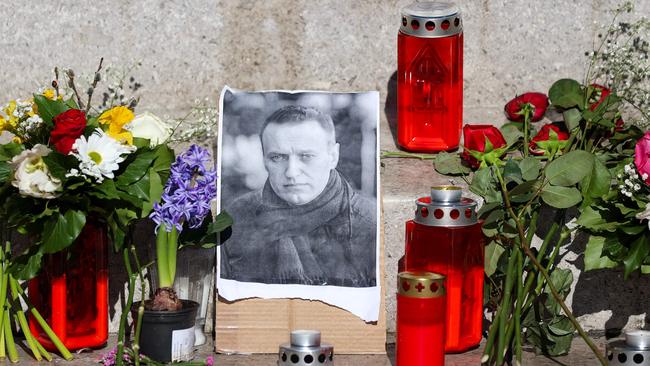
{"type": "Point", "coordinates": [642, 157]}
{"type": "Point", "coordinates": [209, 361]}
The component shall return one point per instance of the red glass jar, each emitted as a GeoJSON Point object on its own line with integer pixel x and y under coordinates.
{"type": "Point", "coordinates": [445, 237]}
{"type": "Point", "coordinates": [430, 77]}
{"type": "Point", "coordinates": [71, 292]}
{"type": "Point", "coordinates": [421, 306]}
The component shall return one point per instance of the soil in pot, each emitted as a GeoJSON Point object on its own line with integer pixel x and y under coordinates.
{"type": "Point", "coordinates": [168, 336]}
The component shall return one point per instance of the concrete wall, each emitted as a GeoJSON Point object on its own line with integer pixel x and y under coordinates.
{"type": "Point", "coordinates": [190, 49]}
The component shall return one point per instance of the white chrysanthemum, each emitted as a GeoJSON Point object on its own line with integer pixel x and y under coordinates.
{"type": "Point", "coordinates": [99, 156]}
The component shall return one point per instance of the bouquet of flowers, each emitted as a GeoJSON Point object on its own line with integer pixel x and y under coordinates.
{"type": "Point", "coordinates": [63, 162]}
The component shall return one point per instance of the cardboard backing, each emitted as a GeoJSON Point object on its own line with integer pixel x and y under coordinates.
{"type": "Point", "coordinates": [261, 325]}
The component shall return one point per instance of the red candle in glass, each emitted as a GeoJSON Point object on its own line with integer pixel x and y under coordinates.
{"type": "Point", "coordinates": [421, 307]}
{"type": "Point", "coordinates": [71, 292]}
{"type": "Point", "coordinates": [430, 77]}
{"type": "Point", "coordinates": [445, 237]}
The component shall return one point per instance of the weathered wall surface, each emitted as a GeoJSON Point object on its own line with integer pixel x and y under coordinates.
{"type": "Point", "coordinates": [190, 49]}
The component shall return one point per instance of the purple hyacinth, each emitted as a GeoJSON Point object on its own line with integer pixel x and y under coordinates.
{"type": "Point", "coordinates": [188, 192]}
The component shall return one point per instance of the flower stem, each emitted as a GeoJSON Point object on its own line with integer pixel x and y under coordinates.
{"type": "Point", "coordinates": [119, 358]}
{"type": "Point", "coordinates": [22, 321]}
{"type": "Point", "coordinates": [9, 337]}
{"type": "Point", "coordinates": [542, 270]}
{"type": "Point", "coordinates": [65, 353]}
{"type": "Point", "coordinates": [520, 298]}
{"type": "Point", "coordinates": [528, 109]}
{"type": "Point", "coordinates": [172, 250]}
{"type": "Point", "coordinates": [506, 304]}
{"type": "Point", "coordinates": [402, 154]}
{"type": "Point", "coordinates": [162, 262]}
{"type": "Point", "coordinates": [138, 322]}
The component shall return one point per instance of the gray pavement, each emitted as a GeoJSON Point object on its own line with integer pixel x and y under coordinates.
{"type": "Point", "coordinates": [580, 355]}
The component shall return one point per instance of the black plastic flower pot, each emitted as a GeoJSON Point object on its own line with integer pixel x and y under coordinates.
{"type": "Point", "coordinates": [168, 336]}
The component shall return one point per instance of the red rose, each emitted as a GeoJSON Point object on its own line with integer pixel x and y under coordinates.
{"type": "Point", "coordinates": [539, 101]}
{"type": "Point", "coordinates": [474, 139]}
{"type": "Point", "coordinates": [619, 125]}
{"type": "Point", "coordinates": [68, 126]}
{"type": "Point", "coordinates": [545, 142]}
{"type": "Point", "coordinates": [598, 96]}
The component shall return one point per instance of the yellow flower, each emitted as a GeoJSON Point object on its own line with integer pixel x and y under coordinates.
{"type": "Point", "coordinates": [13, 120]}
{"type": "Point", "coordinates": [49, 94]}
{"type": "Point", "coordinates": [116, 118]}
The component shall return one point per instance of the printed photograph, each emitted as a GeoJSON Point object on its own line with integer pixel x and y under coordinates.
{"type": "Point", "coordinates": [298, 174]}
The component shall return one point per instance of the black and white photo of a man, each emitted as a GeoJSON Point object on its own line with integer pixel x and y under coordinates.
{"type": "Point", "coordinates": [306, 224]}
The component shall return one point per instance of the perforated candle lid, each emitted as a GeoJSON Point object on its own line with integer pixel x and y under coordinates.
{"type": "Point", "coordinates": [445, 207]}
{"type": "Point", "coordinates": [421, 284]}
{"type": "Point", "coordinates": [431, 19]}
{"type": "Point", "coordinates": [305, 349]}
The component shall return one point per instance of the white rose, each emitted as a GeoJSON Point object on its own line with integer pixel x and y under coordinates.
{"type": "Point", "coordinates": [150, 127]}
{"type": "Point", "coordinates": [31, 175]}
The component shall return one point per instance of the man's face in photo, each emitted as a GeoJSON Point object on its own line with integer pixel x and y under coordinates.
{"type": "Point", "coordinates": [299, 157]}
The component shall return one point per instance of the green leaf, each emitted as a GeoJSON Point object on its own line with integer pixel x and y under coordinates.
{"type": "Point", "coordinates": [572, 118]}
{"type": "Point", "coordinates": [636, 255]}
{"type": "Point", "coordinates": [614, 249]}
{"type": "Point", "coordinates": [450, 164]}
{"type": "Point", "coordinates": [5, 171]}
{"type": "Point", "coordinates": [57, 164]}
{"type": "Point", "coordinates": [512, 132]}
{"type": "Point", "coordinates": [155, 192]}
{"type": "Point", "coordinates": [561, 328]}
{"type": "Point", "coordinates": [530, 168]}
{"type": "Point", "coordinates": [592, 219]}
{"type": "Point", "coordinates": [561, 197]}
{"type": "Point", "coordinates": [207, 235]}
{"type": "Point", "coordinates": [61, 231]}
{"type": "Point", "coordinates": [569, 169]}
{"type": "Point", "coordinates": [493, 252]}
{"type": "Point", "coordinates": [597, 183]}
{"type": "Point", "coordinates": [594, 258]}
{"type": "Point", "coordinates": [137, 169]}
{"type": "Point", "coordinates": [566, 93]}
{"type": "Point", "coordinates": [106, 190]}
{"type": "Point", "coordinates": [633, 230]}
{"type": "Point", "coordinates": [139, 189]}
{"type": "Point", "coordinates": [511, 171]}
{"type": "Point", "coordinates": [72, 103]}
{"type": "Point", "coordinates": [562, 279]}
{"type": "Point", "coordinates": [27, 265]}
{"type": "Point", "coordinates": [8, 151]}
{"type": "Point", "coordinates": [483, 184]}
{"type": "Point", "coordinates": [48, 109]}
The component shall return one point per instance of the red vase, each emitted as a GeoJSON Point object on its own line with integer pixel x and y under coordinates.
{"type": "Point", "coordinates": [71, 292]}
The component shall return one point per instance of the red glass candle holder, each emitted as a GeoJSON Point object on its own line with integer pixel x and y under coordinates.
{"type": "Point", "coordinates": [71, 292]}
{"type": "Point", "coordinates": [445, 237]}
{"type": "Point", "coordinates": [421, 306]}
{"type": "Point", "coordinates": [430, 77]}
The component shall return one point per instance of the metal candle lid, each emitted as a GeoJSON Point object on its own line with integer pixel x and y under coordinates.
{"type": "Point", "coordinates": [634, 350]}
{"type": "Point", "coordinates": [431, 20]}
{"type": "Point", "coordinates": [305, 349]}
{"type": "Point", "coordinates": [445, 207]}
{"type": "Point", "coordinates": [421, 284]}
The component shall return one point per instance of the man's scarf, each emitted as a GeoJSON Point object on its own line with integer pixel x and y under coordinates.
{"type": "Point", "coordinates": [285, 229]}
